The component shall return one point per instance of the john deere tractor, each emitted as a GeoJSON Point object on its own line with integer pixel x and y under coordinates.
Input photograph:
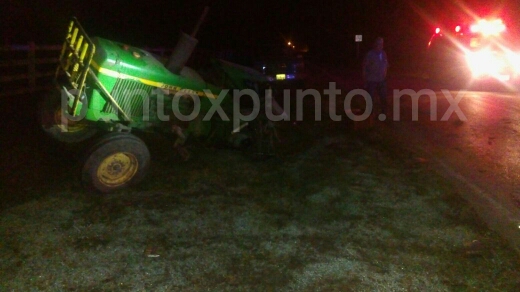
{"type": "Point", "coordinates": [107, 90]}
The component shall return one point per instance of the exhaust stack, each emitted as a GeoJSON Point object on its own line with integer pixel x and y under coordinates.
{"type": "Point", "coordinates": [185, 47]}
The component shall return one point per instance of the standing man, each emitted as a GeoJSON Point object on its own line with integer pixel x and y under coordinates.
{"type": "Point", "coordinates": [375, 66]}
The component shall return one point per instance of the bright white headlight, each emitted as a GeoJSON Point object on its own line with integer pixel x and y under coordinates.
{"type": "Point", "coordinates": [514, 61]}
{"type": "Point", "coordinates": [484, 62]}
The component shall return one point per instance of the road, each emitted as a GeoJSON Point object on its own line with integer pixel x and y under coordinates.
{"type": "Point", "coordinates": [471, 136]}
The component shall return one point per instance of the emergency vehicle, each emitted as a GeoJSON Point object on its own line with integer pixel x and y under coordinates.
{"type": "Point", "coordinates": [482, 50]}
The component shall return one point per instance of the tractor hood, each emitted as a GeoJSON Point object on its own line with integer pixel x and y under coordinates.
{"type": "Point", "coordinates": [127, 62]}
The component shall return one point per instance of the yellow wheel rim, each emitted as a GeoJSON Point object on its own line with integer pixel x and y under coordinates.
{"type": "Point", "coordinates": [70, 126]}
{"type": "Point", "coordinates": [117, 169]}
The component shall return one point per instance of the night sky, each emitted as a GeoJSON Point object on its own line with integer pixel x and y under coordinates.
{"type": "Point", "coordinates": [327, 28]}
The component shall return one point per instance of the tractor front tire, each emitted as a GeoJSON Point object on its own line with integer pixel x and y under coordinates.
{"type": "Point", "coordinates": [59, 127]}
{"type": "Point", "coordinates": [114, 162]}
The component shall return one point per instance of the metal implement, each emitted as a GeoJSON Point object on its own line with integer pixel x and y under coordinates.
{"type": "Point", "coordinates": [76, 54]}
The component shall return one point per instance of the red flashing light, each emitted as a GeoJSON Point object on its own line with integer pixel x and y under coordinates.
{"type": "Point", "coordinates": [437, 30]}
{"type": "Point", "coordinates": [457, 28]}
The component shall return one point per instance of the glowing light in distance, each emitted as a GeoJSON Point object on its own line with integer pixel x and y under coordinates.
{"type": "Point", "coordinates": [485, 63]}
{"type": "Point", "coordinates": [488, 27]}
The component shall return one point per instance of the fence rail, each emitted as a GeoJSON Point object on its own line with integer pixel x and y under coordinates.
{"type": "Point", "coordinates": [23, 71]}
{"type": "Point", "coordinates": [26, 71]}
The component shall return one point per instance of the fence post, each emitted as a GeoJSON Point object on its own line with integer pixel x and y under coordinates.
{"type": "Point", "coordinates": [32, 67]}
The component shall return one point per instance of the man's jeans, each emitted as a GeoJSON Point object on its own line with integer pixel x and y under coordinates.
{"type": "Point", "coordinates": [378, 88]}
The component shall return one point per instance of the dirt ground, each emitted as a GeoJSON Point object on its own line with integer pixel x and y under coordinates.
{"type": "Point", "coordinates": [342, 208]}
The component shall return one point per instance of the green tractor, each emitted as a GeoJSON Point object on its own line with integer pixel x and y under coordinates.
{"type": "Point", "coordinates": [105, 90]}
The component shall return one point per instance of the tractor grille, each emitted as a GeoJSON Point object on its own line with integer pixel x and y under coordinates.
{"type": "Point", "coordinates": [130, 95]}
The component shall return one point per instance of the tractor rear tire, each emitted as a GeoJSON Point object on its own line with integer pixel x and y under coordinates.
{"type": "Point", "coordinates": [114, 162]}
{"type": "Point", "coordinates": [59, 128]}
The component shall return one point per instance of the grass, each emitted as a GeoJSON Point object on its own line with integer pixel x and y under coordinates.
{"type": "Point", "coordinates": [338, 212]}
